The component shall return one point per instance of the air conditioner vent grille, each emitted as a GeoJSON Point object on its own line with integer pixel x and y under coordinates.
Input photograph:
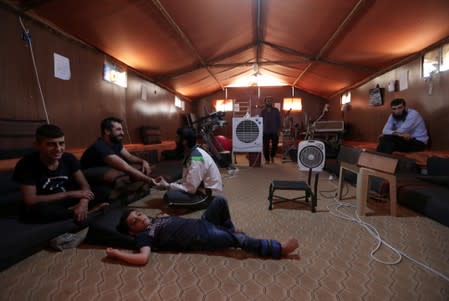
{"type": "Point", "coordinates": [247, 131]}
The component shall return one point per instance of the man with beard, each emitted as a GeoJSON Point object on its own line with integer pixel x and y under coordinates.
{"type": "Point", "coordinates": [108, 161]}
{"type": "Point", "coordinates": [404, 131]}
{"type": "Point", "coordinates": [201, 179]}
{"type": "Point", "coordinates": [271, 128]}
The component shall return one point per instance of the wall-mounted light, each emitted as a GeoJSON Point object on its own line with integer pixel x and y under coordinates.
{"type": "Point", "coordinates": [345, 101]}
{"type": "Point", "coordinates": [179, 103]}
{"type": "Point", "coordinates": [115, 74]}
{"type": "Point", "coordinates": [224, 105]}
{"type": "Point", "coordinates": [292, 104]}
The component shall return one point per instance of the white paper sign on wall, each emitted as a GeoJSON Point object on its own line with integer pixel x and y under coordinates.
{"type": "Point", "coordinates": [62, 66]}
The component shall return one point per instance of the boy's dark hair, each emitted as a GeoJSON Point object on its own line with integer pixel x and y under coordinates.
{"type": "Point", "coordinates": [106, 124]}
{"type": "Point", "coordinates": [48, 131]}
{"type": "Point", "coordinates": [188, 134]}
{"type": "Point", "coordinates": [397, 102]}
{"type": "Point", "coordinates": [122, 226]}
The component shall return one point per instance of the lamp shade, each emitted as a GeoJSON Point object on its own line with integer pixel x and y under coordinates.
{"type": "Point", "coordinates": [292, 103]}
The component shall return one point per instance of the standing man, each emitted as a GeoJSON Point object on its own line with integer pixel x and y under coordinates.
{"type": "Point", "coordinates": [51, 182]}
{"type": "Point", "coordinates": [271, 127]}
{"type": "Point", "coordinates": [404, 131]}
{"type": "Point", "coordinates": [107, 160]}
{"type": "Point", "coordinates": [201, 179]}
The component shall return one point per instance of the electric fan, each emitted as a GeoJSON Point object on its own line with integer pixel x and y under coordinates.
{"type": "Point", "coordinates": [247, 134]}
{"type": "Point", "coordinates": [311, 155]}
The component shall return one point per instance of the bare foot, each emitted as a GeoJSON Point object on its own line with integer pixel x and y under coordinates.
{"type": "Point", "coordinates": [289, 246]}
{"type": "Point", "coordinates": [99, 207]}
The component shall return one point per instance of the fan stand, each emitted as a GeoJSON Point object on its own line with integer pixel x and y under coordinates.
{"type": "Point", "coordinates": [295, 185]}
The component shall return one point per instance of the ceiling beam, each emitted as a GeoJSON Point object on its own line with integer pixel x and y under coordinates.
{"type": "Point", "coordinates": [186, 40]}
{"type": "Point", "coordinates": [308, 57]}
{"type": "Point", "coordinates": [209, 63]}
{"type": "Point", "coordinates": [259, 38]}
{"type": "Point", "coordinates": [334, 36]}
{"type": "Point", "coordinates": [232, 53]}
{"type": "Point", "coordinates": [31, 4]}
{"type": "Point", "coordinates": [265, 63]}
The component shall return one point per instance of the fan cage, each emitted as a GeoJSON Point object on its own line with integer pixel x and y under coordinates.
{"type": "Point", "coordinates": [311, 156]}
{"type": "Point", "coordinates": [247, 131]}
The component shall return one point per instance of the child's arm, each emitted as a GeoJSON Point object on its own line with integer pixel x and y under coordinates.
{"type": "Point", "coordinates": [140, 258]}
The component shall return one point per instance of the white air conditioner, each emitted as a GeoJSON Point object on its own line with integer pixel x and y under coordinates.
{"type": "Point", "coordinates": [247, 134]}
{"type": "Point", "coordinates": [311, 155]}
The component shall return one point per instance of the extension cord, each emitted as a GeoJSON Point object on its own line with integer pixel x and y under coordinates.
{"type": "Point", "coordinates": [373, 231]}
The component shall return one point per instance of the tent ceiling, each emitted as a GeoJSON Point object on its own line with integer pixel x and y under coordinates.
{"type": "Point", "coordinates": [197, 47]}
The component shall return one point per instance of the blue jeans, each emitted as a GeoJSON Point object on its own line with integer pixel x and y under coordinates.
{"type": "Point", "coordinates": [218, 232]}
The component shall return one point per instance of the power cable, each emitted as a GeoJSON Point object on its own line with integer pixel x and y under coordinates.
{"type": "Point", "coordinates": [27, 37]}
{"type": "Point", "coordinates": [375, 233]}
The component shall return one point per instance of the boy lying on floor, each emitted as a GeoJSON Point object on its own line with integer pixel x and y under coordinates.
{"type": "Point", "coordinates": [214, 231]}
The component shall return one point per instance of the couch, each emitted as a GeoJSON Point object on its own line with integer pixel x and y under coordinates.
{"type": "Point", "coordinates": [428, 194]}
{"type": "Point", "coordinates": [18, 238]}
{"type": "Point", "coordinates": [425, 194]}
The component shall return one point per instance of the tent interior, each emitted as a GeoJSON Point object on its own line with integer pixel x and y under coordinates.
{"type": "Point", "coordinates": [158, 63]}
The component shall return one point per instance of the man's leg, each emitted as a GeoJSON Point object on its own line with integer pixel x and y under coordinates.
{"type": "Point", "coordinates": [266, 147]}
{"type": "Point", "coordinates": [274, 145]}
{"type": "Point", "coordinates": [218, 213]}
{"type": "Point", "coordinates": [412, 145]}
{"type": "Point", "coordinates": [219, 238]}
{"type": "Point", "coordinates": [387, 144]}
{"type": "Point", "coordinates": [184, 199]}
{"type": "Point", "coordinates": [391, 143]}
{"type": "Point", "coordinates": [47, 212]}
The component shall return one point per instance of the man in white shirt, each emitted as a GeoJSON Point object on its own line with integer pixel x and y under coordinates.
{"type": "Point", "coordinates": [201, 178]}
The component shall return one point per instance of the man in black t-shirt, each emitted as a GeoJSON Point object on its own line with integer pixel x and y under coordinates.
{"type": "Point", "coordinates": [52, 184]}
{"type": "Point", "coordinates": [108, 161]}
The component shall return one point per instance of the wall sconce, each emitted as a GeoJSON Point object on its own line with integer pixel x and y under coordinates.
{"type": "Point", "coordinates": [179, 103]}
{"type": "Point", "coordinates": [292, 104]}
{"type": "Point", "coordinates": [224, 105]}
{"type": "Point", "coordinates": [115, 74]}
{"type": "Point", "coordinates": [345, 101]}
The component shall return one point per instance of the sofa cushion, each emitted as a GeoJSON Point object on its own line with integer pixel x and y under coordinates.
{"type": "Point", "coordinates": [437, 166]}
{"type": "Point", "coordinates": [428, 199]}
{"type": "Point", "coordinates": [103, 230]}
{"type": "Point", "coordinates": [20, 240]}
{"type": "Point", "coordinates": [10, 195]}
{"type": "Point", "coordinates": [437, 180]}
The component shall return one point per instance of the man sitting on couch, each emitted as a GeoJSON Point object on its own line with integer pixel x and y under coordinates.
{"type": "Point", "coordinates": [107, 160]}
{"type": "Point", "coordinates": [52, 184]}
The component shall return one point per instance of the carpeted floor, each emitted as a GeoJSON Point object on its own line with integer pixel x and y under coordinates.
{"type": "Point", "coordinates": [332, 263]}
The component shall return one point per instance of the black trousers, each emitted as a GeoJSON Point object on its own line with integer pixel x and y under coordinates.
{"type": "Point", "coordinates": [392, 143]}
{"type": "Point", "coordinates": [267, 153]}
{"type": "Point", "coordinates": [47, 212]}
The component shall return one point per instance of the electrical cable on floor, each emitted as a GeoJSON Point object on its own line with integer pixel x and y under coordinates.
{"type": "Point", "coordinates": [26, 35]}
{"type": "Point", "coordinates": [373, 231]}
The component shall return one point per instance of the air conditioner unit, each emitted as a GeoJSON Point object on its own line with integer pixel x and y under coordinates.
{"type": "Point", "coordinates": [311, 155]}
{"type": "Point", "coordinates": [247, 134]}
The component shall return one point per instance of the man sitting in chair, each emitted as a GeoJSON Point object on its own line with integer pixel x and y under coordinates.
{"type": "Point", "coordinates": [201, 178]}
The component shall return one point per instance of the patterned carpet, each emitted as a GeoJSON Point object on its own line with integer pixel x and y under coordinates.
{"type": "Point", "coordinates": [332, 263]}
